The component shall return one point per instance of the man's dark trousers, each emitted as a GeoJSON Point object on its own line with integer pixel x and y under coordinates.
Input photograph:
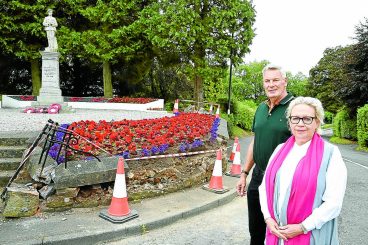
{"type": "Point", "coordinates": [257, 226]}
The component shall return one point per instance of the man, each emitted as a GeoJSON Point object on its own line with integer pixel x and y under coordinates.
{"type": "Point", "coordinates": [270, 129]}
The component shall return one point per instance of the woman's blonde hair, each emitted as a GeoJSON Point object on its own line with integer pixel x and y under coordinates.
{"type": "Point", "coordinates": [312, 102]}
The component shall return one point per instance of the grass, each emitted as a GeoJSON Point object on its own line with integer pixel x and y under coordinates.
{"type": "Point", "coordinates": [341, 141]}
{"type": "Point", "coordinates": [359, 148]}
{"type": "Point", "coordinates": [239, 132]}
{"type": "Point", "coordinates": [324, 126]}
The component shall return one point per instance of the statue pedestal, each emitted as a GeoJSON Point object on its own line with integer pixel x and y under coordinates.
{"type": "Point", "coordinates": [50, 91]}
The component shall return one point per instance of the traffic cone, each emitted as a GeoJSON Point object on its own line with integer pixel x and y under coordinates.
{"type": "Point", "coordinates": [211, 109]}
{"type": "Point", "coordinates": [235, 168]}
{"type": "Point", "coordinates": [215, 184]}
{"type": "Point", "coordinates": [176, 107]}
{"type": "Point", "coordinates": [119, 211]}
{"type": "Point", "coordinates": [218, 112]}
{"type": "Point", "coordinates": [232, 155]}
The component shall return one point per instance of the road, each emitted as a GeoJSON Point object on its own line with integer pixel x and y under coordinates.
{"type": "Point", "coordinates": [228, 224]}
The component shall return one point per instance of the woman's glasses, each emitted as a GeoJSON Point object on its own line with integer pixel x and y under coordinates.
{"type": "Point", "coordinates": [306, 120]}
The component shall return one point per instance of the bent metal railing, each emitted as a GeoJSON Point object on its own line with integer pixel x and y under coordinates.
{"type": "Point", "coordinates": [49, 135]}
{"type": "Point", "coordinates": [61, 139]}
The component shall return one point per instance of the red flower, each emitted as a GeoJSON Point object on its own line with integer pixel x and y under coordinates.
{"type": "Point", "coordinates": [119, 136]}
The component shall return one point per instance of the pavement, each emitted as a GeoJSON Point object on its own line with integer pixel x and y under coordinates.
{"type": "Point", "coordinates": [84, 226]}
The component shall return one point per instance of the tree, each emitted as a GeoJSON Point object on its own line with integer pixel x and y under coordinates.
{"type": "Point", "coordinates": [326, 76]}
{"type": "Point", "coordinates": [354, 89]}
{"type": "Point", "coordinates": [206, 32]}
{"type": "Point", "coordinates": [297, 84]}
{"type": "Point", "coordinates": [247, 82]}
{"type": "Point", "coordinates": [111, 34]}
{"type": "Point", "coordinates": [22, 35]}
{"type": "Point", "coordinates": [14, 76]}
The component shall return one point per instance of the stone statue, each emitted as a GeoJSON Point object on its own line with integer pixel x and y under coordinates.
{"type": "Point", "coordinates": [50, 25]}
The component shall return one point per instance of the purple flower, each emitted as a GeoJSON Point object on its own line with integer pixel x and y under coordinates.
{"type": "Point", "coordinates": [54, 149]}
{"type": "Point", "coordinates": [145, 152]}
{"type": "Point", "coordinates": [155, 150]}
{"type": "Point", "coordinates": [184, 147]}
{"type": "Point", "coordinates": [124, 154]}
{"type": "Point", "coordinates": [214, 129]}
{"type": "Point", "coordinates": [197, 143]}
{"type": "Point", "coordinates": [163, 148]}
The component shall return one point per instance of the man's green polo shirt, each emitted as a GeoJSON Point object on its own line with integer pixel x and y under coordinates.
{"type": "Point", "coordinates": [270, 129]}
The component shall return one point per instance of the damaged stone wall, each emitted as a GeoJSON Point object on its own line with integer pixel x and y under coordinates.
{"type": "Point", "coordinates": [90, 184]}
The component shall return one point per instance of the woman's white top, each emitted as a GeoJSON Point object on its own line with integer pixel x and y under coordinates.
{"type": "Point", "coordinates": [336, 176]}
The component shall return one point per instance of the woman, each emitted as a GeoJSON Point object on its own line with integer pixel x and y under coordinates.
{"type": "Point", "coordinates": [304, 185]}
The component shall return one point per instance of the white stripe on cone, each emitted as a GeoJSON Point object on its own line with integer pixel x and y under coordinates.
{"type": "Point", "coordinates": [120, 186]}
{"type": "Point", "coordinates": [232, 155]}
{"type": "Point", "coordinates": [217, 169]}
{"type": "Point", "coordinates": [218, 112]}
{"type": "Point", "coordinates": [119, 202]}
{"type": "Point", "coordinates": [216, 179]}
{"type": "Point", "coordinates": [176, 106]}
{"type": "Point", "coordinates": [236, 166]}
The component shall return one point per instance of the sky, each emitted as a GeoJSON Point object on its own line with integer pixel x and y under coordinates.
{"type": "Point", "coordinates": [294, 33]}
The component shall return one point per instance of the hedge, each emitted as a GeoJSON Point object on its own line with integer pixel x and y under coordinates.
{"type": "Point", "coordinates": [344, 126]}
{"type": "Point", "coordinates": [362, 126]}
{"type": "Point", "coordinates": [328, 117]}
{"type": "Point", "coordinates": [243, 114]}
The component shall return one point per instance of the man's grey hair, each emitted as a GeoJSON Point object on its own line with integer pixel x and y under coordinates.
{"type": "Point", "coordinates": [313, 102]}
{"type": "Point", "coordinates": [274, 67]}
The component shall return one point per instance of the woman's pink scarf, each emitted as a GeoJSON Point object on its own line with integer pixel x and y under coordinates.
{"type": "Point", "coordinates": [303, 187]}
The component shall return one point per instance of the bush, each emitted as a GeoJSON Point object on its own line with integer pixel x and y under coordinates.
{"type": "Point", "coordinates": [328, 117]}
{"type": "Point", "coordinates": [243, 114]}
{"type": "Point", "coordinates": [224, 104]}
{"type": "Point", "coordinates": [169, 106]}
{"type": "Point", "coordinates": [362, 126]}
{"type": "Point", "coordinates": [344, 126]}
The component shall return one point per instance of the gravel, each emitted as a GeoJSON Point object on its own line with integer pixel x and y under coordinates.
{"type": "Point", "coordinates": [15, 121]}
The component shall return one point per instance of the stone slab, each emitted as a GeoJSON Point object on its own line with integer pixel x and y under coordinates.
{"type": "Point", "coordinates": [81, 173]}
{"type": "Point", "coordinates": [21, 201]}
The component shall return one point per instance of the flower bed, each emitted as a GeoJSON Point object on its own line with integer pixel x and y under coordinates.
{"type": "Point", "coordinates": [123, 103]}
{"type": "Point", "coordinates": [24, 97]}
{"type": "Point", "coordinates": [113, 100]}
{"type": "Point", "coordinates": [134, 138]}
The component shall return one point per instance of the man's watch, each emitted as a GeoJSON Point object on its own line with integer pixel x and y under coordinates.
{"type": "Point", "coordinates": [245, 172]}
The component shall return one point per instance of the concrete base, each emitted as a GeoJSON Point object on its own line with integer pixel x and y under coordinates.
{"type": "Point", "coordinates": [118, 219]}
{"type": "Point", "coordinates": [232, 175]}
{"type": "Point", "coordinates": [217, 191]}
{"type": "Point", "coordinates": [46, 100]}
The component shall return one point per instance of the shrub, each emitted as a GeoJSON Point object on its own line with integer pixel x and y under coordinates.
{"type": "Point", "coordinates": [243, 114]}
{"type": "Point", "coordinates": [169, 106]}
{"type": "Point", "coordinates": [362, 126]}
{"type": "Point", "coordinates": [328, 117]}
{"type": "Point", "coordinates": [344, 126]}
{"type": "Point", "coordinates": [224, 104]}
